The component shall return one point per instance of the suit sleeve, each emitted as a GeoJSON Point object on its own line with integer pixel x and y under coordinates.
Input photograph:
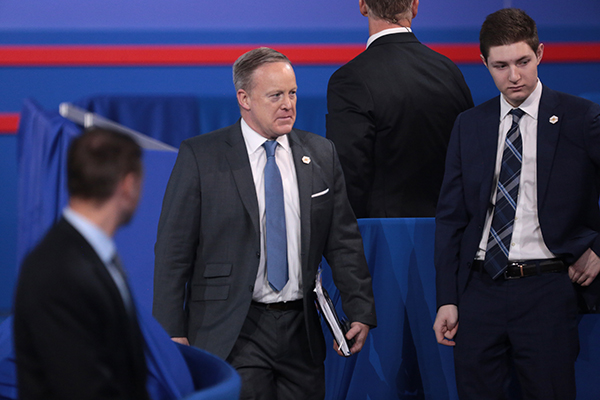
{"type": "Point", "coordinates": [351, 126]}
{"type": "Point", "coordinates": [345, 254]}
{"type": "Point", "coordinates": [176, 243]}
{"type": "Point", "coordinates": [451, 221]}
{"type": "Point", "coordinates": [593, 146]}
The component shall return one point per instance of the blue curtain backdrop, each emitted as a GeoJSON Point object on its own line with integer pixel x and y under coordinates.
{"type": "Point", "coordinates": [43, 141]}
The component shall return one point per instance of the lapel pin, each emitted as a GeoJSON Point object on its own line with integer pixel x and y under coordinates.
{"type": "Point", "coordinates": [306, 160]}
{"type": "Point", "coordinates": [553, 119]}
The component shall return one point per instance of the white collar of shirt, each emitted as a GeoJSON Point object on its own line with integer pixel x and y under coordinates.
{"type": "Point", "coordinates": [530, 106]}
{"type": "Point", "coordinates": [390, 31]}
{"type": "Point", "coordinates": [102, 244]}
{"type": "Point", "coordinates": [254, 140]}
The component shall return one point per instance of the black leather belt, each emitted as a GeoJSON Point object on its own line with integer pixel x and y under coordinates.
{"type": "Point", "coordinates": [281, 306]}
{"type": "Point", "coordinates": [522, 269]}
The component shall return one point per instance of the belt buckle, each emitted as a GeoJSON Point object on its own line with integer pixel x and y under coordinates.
{"type": "Point", "coordinates": [520, 265]}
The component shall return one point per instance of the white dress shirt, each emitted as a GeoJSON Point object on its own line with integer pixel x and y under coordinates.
{"type": "Point", "coordinates": [263, 292]}
{"type": "Point", "coordinates": [527, 242]}
{"type": "Point", "coordinates": [384, 32]}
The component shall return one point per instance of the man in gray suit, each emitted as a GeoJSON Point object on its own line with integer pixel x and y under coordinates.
{"type": "Point", "coordinates": [218, 281]}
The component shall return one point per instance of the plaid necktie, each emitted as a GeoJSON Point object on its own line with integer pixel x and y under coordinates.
{"type": "Point", "coordinates": [496, 257]}
{"type": "Point", "coordinates": [277, 265]}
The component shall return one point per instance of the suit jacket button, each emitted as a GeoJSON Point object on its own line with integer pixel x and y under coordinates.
{"type": "Point", "coordinates": [258, 254]}
{"type": "Point", "coordinates": [251, 288]}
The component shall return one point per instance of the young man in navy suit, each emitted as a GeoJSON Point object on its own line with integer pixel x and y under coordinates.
{"type": "Point", "coordinates": [517, 222]}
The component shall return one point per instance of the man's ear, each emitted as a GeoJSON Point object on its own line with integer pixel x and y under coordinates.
{"type": "Point", "coordinates": [483, 60]}
{"type": "Point", "coordinates": [243, 99]}
{"type": "Point", "coordinates": [415, 8]}
{"type": "Point", "coordinates": [364, 9]}
{"type": "Point", "coordinates": [540, 53]}
{"type": "Point", "coordinates": [130, 185]}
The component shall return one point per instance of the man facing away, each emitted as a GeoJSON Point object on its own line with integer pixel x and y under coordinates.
{"type": "Point", "coordinates": [75, 327]}
{"type": "Point", "coordinates": [517, 223]}
{"type": "Point", "coordinates": [248, 214]}
{"type": "Point", "coordinates": [390, 114]}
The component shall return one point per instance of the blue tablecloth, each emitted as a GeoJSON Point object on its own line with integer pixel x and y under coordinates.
{"type": "Point", "coordinates": [401, 359]}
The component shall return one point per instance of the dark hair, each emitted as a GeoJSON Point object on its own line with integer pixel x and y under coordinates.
{"type": "Point", "coordinates": [247, 63]}
{"type": "Point", "coordinates": [505, 27]}
{"type": "Point", "coordinates": [97, 160]}
{"type": "Point", "coordinates": [391, 10]}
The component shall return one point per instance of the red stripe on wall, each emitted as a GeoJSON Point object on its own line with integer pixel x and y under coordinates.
{"type": "Point", "coordinates": [156, 55]}
{"type": "Point", "coordinates": [207, 55]}
{"type": "Point", "coordinates": [9, 123]}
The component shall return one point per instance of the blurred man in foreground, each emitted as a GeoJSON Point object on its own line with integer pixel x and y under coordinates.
{"type": "Point", "coordinates": [76, 332]}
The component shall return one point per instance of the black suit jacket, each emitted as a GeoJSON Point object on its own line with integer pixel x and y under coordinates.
{"type": "Point", "coordinates": [73, 336]}
{"type": "Point", "coordinates": [568, 185]}
{"type": "Point", "coordinates": [209, 240]}
{"type": "Point", "coordinates": [390, 114]}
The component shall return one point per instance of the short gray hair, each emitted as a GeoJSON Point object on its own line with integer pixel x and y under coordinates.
{"type": "Point", "coordinates": [247, 63]}
{"type": "Point", "coordinates": [391, 10]}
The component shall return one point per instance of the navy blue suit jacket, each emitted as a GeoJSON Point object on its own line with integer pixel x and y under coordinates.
{"type": "Point", "coordinates": [568, 184]}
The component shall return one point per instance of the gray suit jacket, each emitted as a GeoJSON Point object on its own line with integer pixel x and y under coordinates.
{"type": "Point", "coordinates": [208, 244]}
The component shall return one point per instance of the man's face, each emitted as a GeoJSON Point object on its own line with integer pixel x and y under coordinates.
{"type": "Point", "coordinates": [269, 107]}
{"type": "Point", "coordinates": [131, 197]}
{"type": "Point", "coordinates": [514, 70]}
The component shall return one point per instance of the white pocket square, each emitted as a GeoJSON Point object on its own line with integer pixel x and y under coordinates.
{"type": "Point", "coordinates": [320, 193]}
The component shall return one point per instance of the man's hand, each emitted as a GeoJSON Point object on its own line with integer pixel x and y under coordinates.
{"type": "Point", "coordinates": [181, 340]}
{"type": "Point", "coordinates": [359, 332]}
{"type": "Point", "coordinates": [446, 324]}
{"type": "Point", "coordinates": [585, 270]}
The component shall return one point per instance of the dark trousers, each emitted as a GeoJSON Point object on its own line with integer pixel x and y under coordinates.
{"type": "Point", "coordinates": [273, 357]}
{"type": "Point", "coordinates": [529, 324]}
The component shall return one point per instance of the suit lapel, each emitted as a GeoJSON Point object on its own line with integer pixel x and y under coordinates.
{"type": "Point", "coordinates": [304, 173]}
{"type": "Point", "coordinates": [547, 139]}
{"type": "Point", "coordinates": [237, 157]}
{"type": "Point", "coordinates": [488, 148]}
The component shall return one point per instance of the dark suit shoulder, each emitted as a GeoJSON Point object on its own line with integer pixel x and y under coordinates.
{"type": "Point", "coordinates": [571, 103]}
{"type": "Point", "coordinates": [62, 254]}
{"type": "Point", "coordinates": [484, 109]}
{"type": "Point", "coordinates": [402, 48]}
{"type": "Point", "coordinates": [213, 136]}
{"type": "Point", "coordinates": [62, 242]}
{"type": "Point", "coordinates": [312, 140]}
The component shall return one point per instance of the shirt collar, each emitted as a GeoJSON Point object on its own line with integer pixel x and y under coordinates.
{"type": "Point", "coordinates": [530, 106]}
{"type": "Point", "coordinates": [102, 244]}
{"type": "Point", "coordinates": [389, 31]}
{"type": "Point", "coordinates": [254, 140]}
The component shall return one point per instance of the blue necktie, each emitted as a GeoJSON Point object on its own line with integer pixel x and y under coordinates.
{"type": "Point", "coordinates": [496, 257]}
{"type": "Point", "coordinates": [277, 265]}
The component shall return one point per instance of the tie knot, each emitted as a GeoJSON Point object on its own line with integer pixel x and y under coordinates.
{"type": "Point", "coordinates": [270, 146]}
{"type": "Point", "coordinates": [517, 113]}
